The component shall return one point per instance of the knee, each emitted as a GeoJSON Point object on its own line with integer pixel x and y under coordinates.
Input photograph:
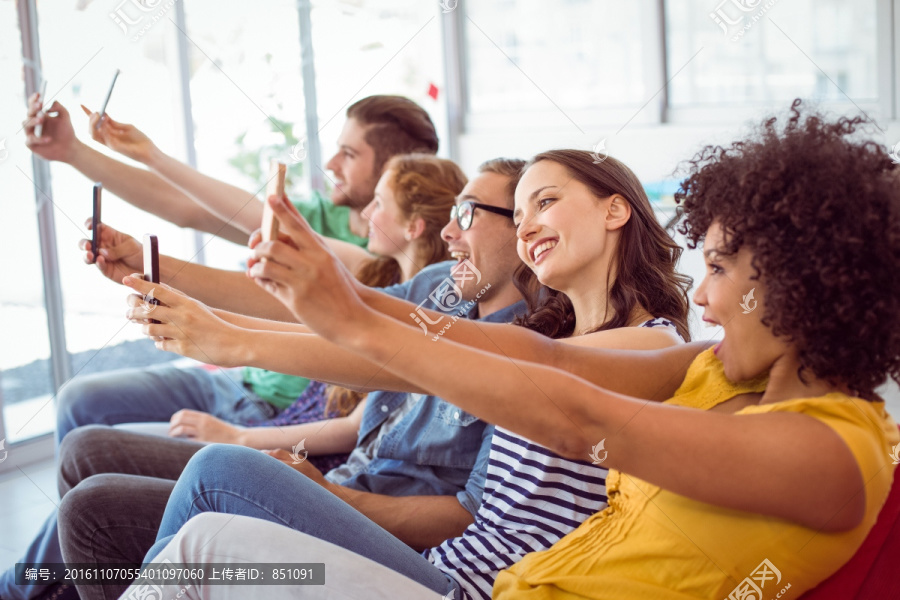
{"type": "Point", "coordinates": [75, 453]}
{"type": "Point", "coordinates": [76, 403]}
{"type": "Point", "coordinates": [217, 462]}
{"type": "Point", "coordinates": [79, 506]}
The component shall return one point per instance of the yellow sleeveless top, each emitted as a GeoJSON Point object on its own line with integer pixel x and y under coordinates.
{"type": "Point", "coordinates": [651, 543]}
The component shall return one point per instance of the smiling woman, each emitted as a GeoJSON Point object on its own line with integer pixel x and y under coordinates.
{"type": "Point", "coordinates": [808, 434]}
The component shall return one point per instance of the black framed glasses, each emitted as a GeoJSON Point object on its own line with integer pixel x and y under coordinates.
{"type": "Point", "coordinates": [464, 211]}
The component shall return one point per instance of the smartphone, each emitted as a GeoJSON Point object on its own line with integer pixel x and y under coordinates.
{"type": "Point", "coordinates": [151, 267]}
{"type": "Point", "coordinates": [95, 222]}
{"type": "Point", "coordinates": [275, 187]}
{"type": "Point", "coordinates": [105, 102]}
{"type": "Point", "coordinates": [39, 128]}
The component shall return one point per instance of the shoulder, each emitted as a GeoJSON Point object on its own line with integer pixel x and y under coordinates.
{"type": "Point", "coordinates": [423, 283]}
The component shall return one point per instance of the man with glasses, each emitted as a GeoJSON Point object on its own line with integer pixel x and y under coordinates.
{"type": "Point", "coordinates": [420, 464]}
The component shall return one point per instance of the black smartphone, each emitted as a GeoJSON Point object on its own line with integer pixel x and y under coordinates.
{"type": "Point", "coordinates": [95, 222]}
{"type": "Point", "coordinates": [151, 267]}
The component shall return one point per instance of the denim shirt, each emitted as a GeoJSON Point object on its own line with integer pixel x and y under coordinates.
{"type": "Point", "coordinates": [436, 448]}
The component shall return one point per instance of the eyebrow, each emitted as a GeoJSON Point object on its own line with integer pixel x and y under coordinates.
{"type": "Point", "coordinates": [718, 252]}
{"type": "Point", "coordinates": [463, 197]}
{"type": "Point", "coordinates": [534, 194]}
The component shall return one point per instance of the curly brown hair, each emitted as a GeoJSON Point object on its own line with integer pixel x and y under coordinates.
{"type": "Point", "coordinates": [646, 258]}
{"type": "Point", "coordinates": [819, 208]}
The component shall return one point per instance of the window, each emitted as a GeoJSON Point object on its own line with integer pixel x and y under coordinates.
{"type": "Point", "coordinates": [771, 53]}
{"type": "Point", "coordinates": [247, 98]}
{"type": "Point", "coordinates": [569, 65]}
{"type": "Point", "coordinates": [25, 378]}
{"type": "Point", "coordinates": [80, 51]}
{"type": "Point", "coordinates": [375, 47]}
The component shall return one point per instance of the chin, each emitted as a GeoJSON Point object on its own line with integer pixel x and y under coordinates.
{"type": "Point", "coordinates": [339, 198]}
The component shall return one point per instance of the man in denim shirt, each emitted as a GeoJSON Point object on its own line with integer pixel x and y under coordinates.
{"type": "Point", "coordinates": [422, 440]}
{"type": "Point", "coordinates": [417, 474]}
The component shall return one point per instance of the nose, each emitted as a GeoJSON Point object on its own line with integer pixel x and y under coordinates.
{"type": "Point", "coordinates": [700, 294]}
{"type": "Point", "coordinates": [451, 231]}
{"type": "Point", "coordinates": [332, 164]}
{"type": "Point", "coordinates": [368, 210]}
{"type": "Point", "coordinates": [527, 228]}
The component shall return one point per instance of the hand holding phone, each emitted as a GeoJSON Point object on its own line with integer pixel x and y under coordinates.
{"type": "Point", "coordinates": [275, 187]}
{"type": "Point", "coordinates": [151, 270]}
{"type": "Point", "coordinates": [95, 222]}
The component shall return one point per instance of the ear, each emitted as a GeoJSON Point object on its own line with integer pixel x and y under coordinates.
{"type": "Point", "coordinates": [415, 229]}
{"type": "Point", "coordinates": [617, 213]}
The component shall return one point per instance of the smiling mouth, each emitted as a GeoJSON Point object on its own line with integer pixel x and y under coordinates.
{"type": "Point", "coordinates": [539, 249]}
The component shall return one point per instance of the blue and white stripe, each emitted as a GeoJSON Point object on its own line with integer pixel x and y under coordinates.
{"type": "Point", "coordinates": [532, 498]}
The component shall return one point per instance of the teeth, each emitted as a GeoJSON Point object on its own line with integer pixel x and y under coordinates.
{"type": "Point", "coordinates": [542, 248]}
{"type": "Point", "coordinates": [459, 255]}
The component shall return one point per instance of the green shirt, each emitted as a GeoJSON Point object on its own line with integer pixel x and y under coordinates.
{"type": "Point", "coordinates": [332, 221]}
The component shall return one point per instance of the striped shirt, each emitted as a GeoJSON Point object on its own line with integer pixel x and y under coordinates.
{"type": "Point", "coordinates": [532, 499]}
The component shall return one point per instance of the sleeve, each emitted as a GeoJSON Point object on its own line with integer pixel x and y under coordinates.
{"type": "Point", "coordinates": [398, 290]}
{"type": "Point", "coordinates": [868, 432]}
{"type": "Point", "coordinates": [470, 497]}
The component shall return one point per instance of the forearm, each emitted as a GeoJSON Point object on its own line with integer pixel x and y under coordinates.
{"type": "Point", "coordinates": [620, 361]}
{"type": "Point", "coordinates": [149, 192]}
{"type": "Point", "coordinates": [329, 436]}
{"type": "Point", "coordinates": [537, 401]}
{"type": "Point", "coordinates": [499, 338]}
{"type": "Point", "coordinates": [419, 521]}
{"type": "Point", "coordinates": [257, 323]}
{"type": "Point", "coordinates": [229, 203]}
{"type": "Point", "coordinates": [309, 355]}
{"type": "Point", "coordinates": [228, 290]}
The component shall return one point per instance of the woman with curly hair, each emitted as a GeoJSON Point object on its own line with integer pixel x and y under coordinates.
{"type": "Point", "coordinates": [767, 466]}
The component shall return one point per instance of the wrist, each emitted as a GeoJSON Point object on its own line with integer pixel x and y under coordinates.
{"type": "Point", "coordinates": [243, 352]}
{"type": "Point", "coordinates": [366, 336]}
{"type": "Point", "coordinates": [241, 437]}
{"type": "Point", "coordinates": [154, 157]}
{"type": "Point", "coordinates": [77, 154]}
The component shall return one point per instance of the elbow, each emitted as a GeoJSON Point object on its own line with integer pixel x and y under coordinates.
{"type": "Point", "coordinates": [570, 443]}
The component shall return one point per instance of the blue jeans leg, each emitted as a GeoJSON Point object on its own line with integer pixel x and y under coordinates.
{"type": "Point", "coordinates": [44, 548]}
{"type": "Point", "coordinates": [155, 394]}
{"type": "Point", "coordinates": [133, 395]}
{"type": "Point", "coordinates": [242, 481]}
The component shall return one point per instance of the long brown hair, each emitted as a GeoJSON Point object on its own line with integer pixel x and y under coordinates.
{"type": "Point", "coordinates": [425, 187]}
{"type": "Point", "coordinates": [645, 258]}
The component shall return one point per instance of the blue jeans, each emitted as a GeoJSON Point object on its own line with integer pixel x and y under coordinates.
{"type": "Point", "coordinates": [155, 394]}
{"type": "Point", "coordinates": [268, 489]}
{"type": "Point", "coordinates": [127, 396]}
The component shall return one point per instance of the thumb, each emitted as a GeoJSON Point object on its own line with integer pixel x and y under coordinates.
{"type": "Point", "coordinates": [86, 110]}
{"type": "Point", "coordinates": [293, 223]}
{"type": "Point", "coordinates": [58, 108]}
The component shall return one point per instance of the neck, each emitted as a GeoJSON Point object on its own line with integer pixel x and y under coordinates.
{"type": "Point", "coordinates": [784, 384]}
{"type": "Point", "coordinates": [359, 225]}
{"type": "Point", "coordinates": [591, 310]}
{"type": "Point", "coordinates": [503, 297]}
{"type": "Point", "coordinates": [408, 267]}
